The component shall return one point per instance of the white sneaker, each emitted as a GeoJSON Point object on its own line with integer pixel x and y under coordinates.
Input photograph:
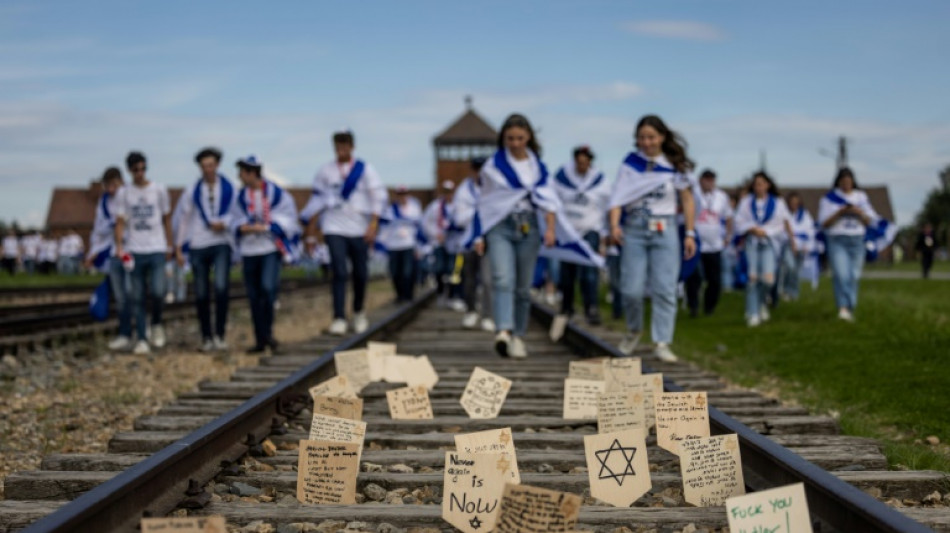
{"type": "Point", "coordinates": [558, 325]}
{"type": "Point", "coordinates": [142, 348]}
{"type": "Point", "coordinates": [502, 343]}
{"type": "Point", "coordinates": [845, 314]}
{"type": "Point", "coordinates": [360, 323]}
{"type": "Point", "coordinates": [753, 321]}
{"type": "Point", "coordinates": [169, 298]}
{"type": "Point", "coordinates": [663, 353]}
{"type": "Point", "coordinates": [516, 349]}
{"type": "Point", "coordinates": [337, 327]}
{"type": "Point", "coordinates": [488, 324]}
{"type": "Point", "coordinates": [276, 305]}
{"type": "Point", "coordinates": [458, 306]}
{"type": "Point", "coordinates": [206, 346]}
{"type": "Point", "coordinates": [158, 336]}
{"type": "Point", "coordinates": [120, 343]}
{"type": "Point", "coordinates": [220, 344]}
{"type": "Point", "coordinates": [550, 298]}
{"type": "Point", "coordinates": [470, 320]}
{"type": "Point", "coordinates": [629, 343]}
{"type": "Point", "coordinates": [764, 313]}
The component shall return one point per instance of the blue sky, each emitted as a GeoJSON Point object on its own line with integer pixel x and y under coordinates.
{"type": "Point", "coordinates": [83, 83]}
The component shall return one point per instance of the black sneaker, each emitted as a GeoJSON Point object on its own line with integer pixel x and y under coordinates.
{"type": "Point", "coordinates": [593, 317]}
{"type": "Point", "coordinates": [260, 348]}
{"type": "Point", "coordinates": [501, 343]}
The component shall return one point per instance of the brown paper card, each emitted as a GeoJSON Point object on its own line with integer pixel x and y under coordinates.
{"type": "Point", "coordinates": [351, 408]}
{"type": "Point", "coordinates": [472, 488]}
{"type": "Point", "coordinates": [393, 368]}
{"type": "Point", "coordinates": [419, 371]}
{"type": "Point", "coordinates": [782, 510]}
{"type": "Point", "coordinates": [409, 403]}
{"type": "Point", "coordinates": [580, 398]}
{"type": "Point", "coordinates": [190, 524]}
{"type": "Point", "coordinates": [485, 394]}
{"type": "Point", "coordinates": [617, 411]}
{"type": "Point", "coordinates": [592, 369]}
{"type": "Point", "coordinates": [376, 355]}
{"type": "Point", "coordinates": [621, 372]}
{"type": "Point", "coordinates": [338, 386]}
{"type": "Point", "coordinates": [680, 416]}
{"type": "Point", "coordinates": [712, 470]}
{"type": "Point", "coordinates": [326, 472]}
{"type": "Point", "coordinates": [333, 429]}
{"type": "Point", "coordinates": [490, 441]}
{"type": "Point", "coordinates": [354, 364]}
{"type": "Point", "coordinates": [617, 466]}
{"type": "Point", "coordinates": [526, 509]}
{"type": "Point", "coordinates": [650, 384]}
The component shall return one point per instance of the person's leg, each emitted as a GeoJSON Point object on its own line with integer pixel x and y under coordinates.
{"type": "Point", "coordinates": [470, 281]}
{"type": "Point", "coordinates": [568, 279]}
{"type": "Point", "coordinates": [485, 280]}
{"type": "Point", "coordinates": [856, 255]}
{"type": "Point", "coordinates": [201, 261]}
{"type": "Point", "coordinates": [526, 250]}
{"type": "Point", "coordinates": [395, 271]}
{"type": "Point", "coordinates": [359, 257]}
{"type": "Point", "coordinates": [138, 294]}
{"type": "Point", "coordinates": [121, 284]}
{"type": "Point", "coordinates": [222, 288]}
{"type": "Point", "coordinates": [589, 278]}
{"type": "Point", "coordinates": [664, 271]}
{"type": "Point", "coordinates": [253, 269]}
{"type": "Point", "coordinates": [156, 279]}
{"type": "Point", "coordinates": [752, 289]}
{"type": "Point", "coordinates": [769, 259]}
{"type": "Point", "coordinates": [838, 261]}
{"type": "Point", "coordinates": [613, 271]}
{"type": "Point", "coordinates": [501, 255]}
{"type": "Point", "coordinates": [440, 259]}
{"type": "Point", "coordinates": [633, 266]}
{"type": "Point", "coordinates": [338, 256]}
{"type": "Point", "coordinates": [712, 270]}
{"type": "Point", "coordinates": [270, 283]}
{"type": "Point", "coordinates": [693, 283]}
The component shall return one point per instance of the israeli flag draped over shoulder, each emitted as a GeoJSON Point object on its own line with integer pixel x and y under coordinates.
{"type": "Point", "coordinates": [879, 234]}
{"type": "Point", "coordinates": [393, 215]}
{"type": "Point", "coordinates": [102, 239]}
{"type": "Point", "coordinates": [283, 218]}
{"type": "Point", "coordinates": [496, 202]}
{"type": "Point", "coordinates": [227, 195]}
{"type": "Point", "coordinates": [323, 199]}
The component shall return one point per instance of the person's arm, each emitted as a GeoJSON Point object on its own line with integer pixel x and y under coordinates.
{"type": "Point", "coordinates": [791, 237]}
{"type": "Point", "coordinates": [118, 233]}
{"type": "Point", "coordinates": [689, 216]}
{"type": "Point", "coordinates": [379, 197]}
{"type": "Point", "coordinates": [184, 224]}
{"type": "Point", "coordinates": [616, 232]}
{"type": "Point", "coordinates": [550, 232]}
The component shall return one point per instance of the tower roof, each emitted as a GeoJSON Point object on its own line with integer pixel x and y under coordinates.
{"type": "Point", "coordinates": [470, 128]}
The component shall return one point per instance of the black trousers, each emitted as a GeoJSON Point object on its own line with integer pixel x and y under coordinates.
{"type": "Point", "coordinates": [402, 269]}
{"type": "Point", "coordinates": [710, 271]}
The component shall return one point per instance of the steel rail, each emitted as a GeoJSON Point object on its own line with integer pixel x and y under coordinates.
{"type": "Point", "coordinates": [158, 483]}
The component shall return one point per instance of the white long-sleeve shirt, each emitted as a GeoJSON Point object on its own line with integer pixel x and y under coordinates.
{"type": "Point", "coordinates": [712, 211]}
{"type": "Point", "coordinates": [192, 227]}
{"type": "Point", "coordinates": [399, 233]}
{"type": "Point", "coordinates": [349, 218]}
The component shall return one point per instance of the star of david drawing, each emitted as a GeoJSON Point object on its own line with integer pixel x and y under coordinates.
{"type": "Point", "coordinates": [504, 437]}
{"type": "Point", "coordinates": [475, 522]}
{"type": "Point", "coordinates": [625, 455]}
{"type": "Point", "coordinates": [700, 401]}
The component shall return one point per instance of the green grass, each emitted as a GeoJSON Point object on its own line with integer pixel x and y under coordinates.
{"type": "Point", "coordinates": [908, 266]}
{"type": "Point", "coordinates": [886, 376]}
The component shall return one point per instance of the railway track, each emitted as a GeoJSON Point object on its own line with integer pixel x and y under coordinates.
{"type": "Point", "coordinates": [222, 421]}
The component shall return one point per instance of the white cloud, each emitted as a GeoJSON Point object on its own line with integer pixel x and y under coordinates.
{"type": "Point", "coordinates": [676, 29]}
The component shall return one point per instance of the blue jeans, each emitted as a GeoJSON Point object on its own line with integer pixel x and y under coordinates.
{"type": "Point", "coordinates": [657, 255]}
{"type": "Point", "coordinates": [121, 285]}
{"type": "Point", "coordinates": [585, 275]}
{"type": "Point", "coordinates": [790, 271]}
{"type": "Point", "coordinates": [356, 250]}
{"type": "Point", "coordinates": [402, 270]}
{"type": "Point", "coordinates": [613, 273]}
{"type": "Point", "coordinates": [762, 259]}
{"type": "Point", "coordinates": [512, 254]}
{"type": "Point", "coordinates": [262, 279]}
{"type": "Point", "coordinates": [202, 261]}
{"type": "Point", "coordinates": [150, 267]}
{"type": "Point", "coordinates": [846, 257]}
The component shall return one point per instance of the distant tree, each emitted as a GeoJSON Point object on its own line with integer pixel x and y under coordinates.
{"type": "Point", "coordinates": [936, 210]}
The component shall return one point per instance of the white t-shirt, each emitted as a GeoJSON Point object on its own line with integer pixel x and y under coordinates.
{"type": "Point", "coordinates": [400, 233]}
{"type": "Point", "coordinates": [49, 248]}
{"type": "Point", "coordinates": [774, 227]}
{"type": "Point", "coordinates": [192, 226]}
{"type": "Point", "coordinates": [31, 246]}
{"type": "Point", "coordinates": [142, 208]}
{"type": "Point", "coordinates": [11, 247]}
{"type": "Point", "coordinates": [345, 219]}
{"type": "Point", "coordinates": [528, 173]}
{"type": "Point", "coordinates": [70, 246]}
{"type": "Point", "coordinates": [849, 224]}
{"type": "Point", "coordinates": [661, 201]}
{"type": "Point", "coordinates": [712, 210]}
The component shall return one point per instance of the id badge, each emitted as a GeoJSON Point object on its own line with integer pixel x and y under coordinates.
{"type": "Point", "coordinates": [525, 228]}
{"type": "Point", "coordinates": [657, 225]}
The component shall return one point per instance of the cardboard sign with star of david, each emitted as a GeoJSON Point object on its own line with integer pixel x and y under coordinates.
{"type": "Point", "coordinates": [617, 466]}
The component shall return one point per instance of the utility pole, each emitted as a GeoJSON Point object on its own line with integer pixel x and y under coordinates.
{"type": "Point", "coordinates": [842, 158]}
{"type": "Point", "coordinates": [762, 160]}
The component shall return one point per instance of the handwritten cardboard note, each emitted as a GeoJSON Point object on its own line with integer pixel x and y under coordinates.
{"type": "Point", "coordinates": [580, 398]}
{"type": "Point", "coordinates": [351, 408]}
{"type": "Point", "coordinates": [338, 386]}
{"type": "Point", "coordinates": [527, 509]}
{"type": "Point", "coordinates": [491, 441]}
{"type": "Point", "coordinates": [409, 403]}
{"type": "Point", "coordinates": [617, 466]}
{"type": "Point", "coordinates": [592, 369]}
{"type": "Point", "coordinates": [326, 472]}
{"type": "Point", "coordinates": [484, 394]}
{"type": "Point", "coordinates": [680, 416]}
{"type": "Point", "coordinates": [419, 371]}
{"type": "Point", "coordinates": [617, 411]}
{"type": "Point", "coordinates": [712, 470]}
{"type": "Point", "coordinates": [473, 484]}
{"type": "Point", "coordinates": [354, 364]}
{"type": "Point", "coordinates": [650, 384]}
{"type": "Point", "coordinates": [781, 510]}
{"type": "Point", "coordinates": [393, 368]}
{"type": "Point", "coordinates": [376, 355]}
{"type": "Point", "coordinates": [333, 429]}
{"type": "Point", "coordinates": [620, 373]}
{"type": "Point", "coordinates": [190, 524]}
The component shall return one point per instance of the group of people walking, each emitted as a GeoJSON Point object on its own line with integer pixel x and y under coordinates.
{"type": "Point", "coordinates": [43, 253]}
{"type": "Point", "coordinates": [654, 226]}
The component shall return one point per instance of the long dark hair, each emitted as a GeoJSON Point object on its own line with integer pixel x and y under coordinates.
{"type": "Point", "coordinates": [773, 188]}
{"type": "Point", "coordinates": [845, 172]}
{"type": "Point", "coordinates": [517, 120]}
{"type": "Point", "coordinates": [674, 146]}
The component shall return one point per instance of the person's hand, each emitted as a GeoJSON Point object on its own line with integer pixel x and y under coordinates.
{"type": "Point", "coordinates": [370, 236]}
{"type": "Point", "coordinates": [550, 237]}
{"type": "Point", "coordinates": [87, 263]}
{"type": "Point", "coordinates": [479, 247]}
{"type": "Point", "coordinates": [689, 247]}
{"type": "Point", "coordinates": [440, 239]}
{"type": "Point", "coordinates": [218, 226]}
{"type": "Point", "coordinates": [616, 233]}
{"type": "Point", "coordinates": [793, 246]}
{"type": "Point", "coordinates": [180, 256]}
{"type": "Point", "coordinates": [311, 246]}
